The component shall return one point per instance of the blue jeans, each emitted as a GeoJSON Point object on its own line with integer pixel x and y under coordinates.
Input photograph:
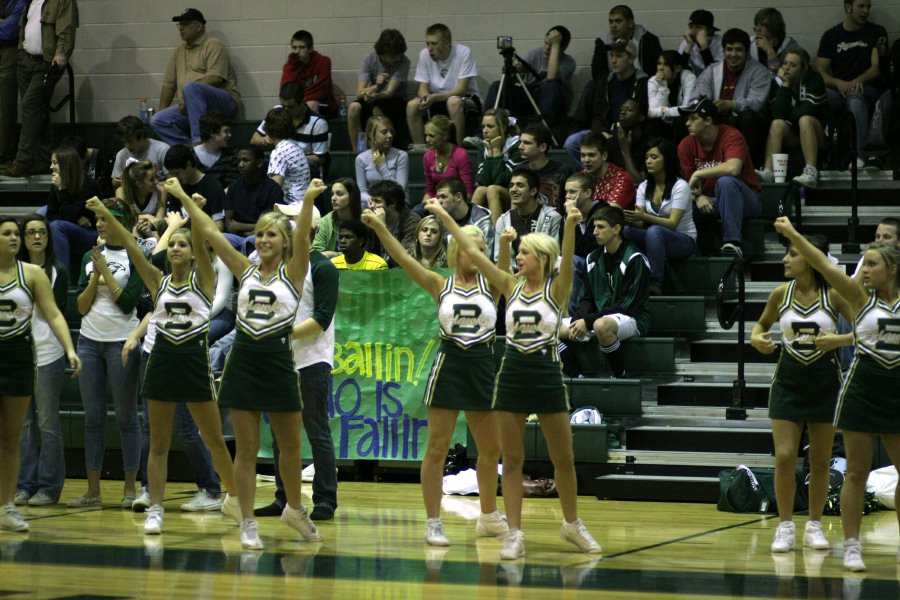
{"type": "Point", "coordinates": [173, 127]}
{"type": "Point", "coordinates": [185, 430]}
{"type": "Point", "coordinates": [573, 145]}
{"type": "Point", "coordinates": [315, 383]}
{"type": "Point", "coordinates": [220, 324]}
{"type": "Point", "coordinates": [859, 105]}
{"type": "Point", "coordinates": [660, 244]}
{"type": "Point", "coordinates": [579, 274]}
{"type": "Point", "coordinates": [42, 457]}
{"type": "Point", "coordinates": [102, 361]}
{"type": "Point", "coordinates": [734, 202]}
{"type": "Point", "coordinates": [219, 351]}
{"type": "Point", "coordinates": [71, 241]}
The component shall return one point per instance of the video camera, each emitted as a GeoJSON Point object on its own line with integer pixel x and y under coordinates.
{"type": "Point", "coordinates": [504, 42]}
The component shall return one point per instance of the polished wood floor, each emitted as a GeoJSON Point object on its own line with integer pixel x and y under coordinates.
{"type": "Point", "coordinates": [374, 550]}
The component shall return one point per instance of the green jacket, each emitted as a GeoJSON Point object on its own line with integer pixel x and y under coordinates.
{"type": "Point", "coordinates": [616, 283]}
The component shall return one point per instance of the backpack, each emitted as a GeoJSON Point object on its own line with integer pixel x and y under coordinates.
{"type": "Point", "coordinates": [753, 491]}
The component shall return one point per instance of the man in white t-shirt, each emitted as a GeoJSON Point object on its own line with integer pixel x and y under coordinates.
{"type": "Point", "coordinates": [446, 75]}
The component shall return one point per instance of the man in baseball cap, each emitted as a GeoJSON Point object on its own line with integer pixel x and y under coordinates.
{"type": "Point", "coordinates": [189, 14]}
{"type": "Point", "coordinates": [701, 45]}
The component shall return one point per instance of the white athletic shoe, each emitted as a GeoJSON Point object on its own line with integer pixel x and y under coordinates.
{"type": "Point", "coordinates": [232, 508]}
{"type": "Point", "coordinates": [202, 501]}
{"type": "Point", "coordinates": [250, 535]}
{"type": "Point", "coordinates": [142, 502]}
{"type": "Point", "coordinates": [853, 556]}
{"type": "Point", "coordinates": [298, 518]}
{"type": "Point", "coordinates": [491, 525]}
{"type": "Point", "coordinates": [153, 523]}
{"type": "Point", "coordinates": [814, 538]}
{"type": "Point", "coordinates": [515, 545]}
{"type": "Point", "coordinates": [784, 537]}
{"type": "Point", "coordinates": [578, 534]}
{"type": "Point", "coordinates": [11, 520]}
{"type": "Point", "coordinates": [22, 498]}
{"type": "Point", "coordinates": [434, 533]}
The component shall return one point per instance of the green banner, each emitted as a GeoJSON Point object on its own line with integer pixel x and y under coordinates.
{"type": "Point", "coordinates": [386, 338]}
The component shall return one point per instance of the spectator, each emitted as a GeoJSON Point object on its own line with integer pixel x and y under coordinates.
{"type": "Point", "coordinates": [550, 87]}
{"type": "Point", "coordinates": [381, 89]}
{"type": "Point", "coordinates": [10, 17]}
{"type": "Point", "coordinates": [451, 193]}
{"type": "Point", "coordinates": [613, 183]}
{"type": "Point", "coordinates": [199, 79]}
{"type": "Point", "coordinates": [602, 99]}
{"type": "Point", "coordinates": [629, 140]}
{"type": "Point", "coordinates": [430, 247]}
{"type": "Point", "coordinates": [799, 109]}
{"type": "Point", "coordinates": [770, 42]}
{"type": "Point", "coordinates": [44, 52]}
{"type": "Point", "coordinates": [182, 163]}
{"type": "Point", "coordinates": [213, 151]}
{"type": "Point", "coordinates": [249, 197]}
{"type": "Point", "coordinates": [715, 160]}
{"type": "Point", "coordinates": [500, 155]}
{"type": "Point", "coordinates": [662, 222]}
{"type": "Point", "coordinates": [740, 90]}
{"type": "Point", "coordinates": [701, 46]}
{"type": "Point", "coordinates": [613, 305]}
{"type": "Point", "coordinates": [311, 129]}
{"type": "Point", "coordinates": [885, 124]}
{"type": "Point", "coordinates": [72, 225]}
{"type": "Point", "coordinates": [352, 238]}
{"type": "Point", "coordinates": [527, 215]}
{"type": "Point", "coordinates": [381, 162]}
{"type": "Point", "coordinates": [138, 145]}
{"type": "Point", "coordinates": [345, 205]}
{"type": "Point", "coordinates": [849, 59]}
{"type": "Point", "coordinates": [446, 74]}
{"type": "Point", "coordinates": [287, 163]}
{"type": "Point", "coordinates": [672, 87]}
{"type": "Point", "coordinates": [399, 219]}
{"type": "Point", "coordinates": [312, 72]}
{"type": "Point", "coordinates": [534, 144]}
{"type": "Point", "coordinates": [623, 28]}
{"type": "Point", "coordinates": [580, 192]}
{"type": "Point", "coordinates": [445, 158]}
{"type": "Point", "coordinates": [141, 190]}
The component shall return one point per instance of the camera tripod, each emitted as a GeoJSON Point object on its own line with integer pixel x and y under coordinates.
{"type": "Point", "coordinates": [503, 91]}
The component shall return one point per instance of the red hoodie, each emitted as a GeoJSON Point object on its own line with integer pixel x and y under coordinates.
{"type": "Point", "coordinates": [315, 77]}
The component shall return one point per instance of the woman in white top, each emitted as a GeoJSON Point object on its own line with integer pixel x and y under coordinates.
{"type": "Point", "coordinates": [662, 222]}
{"type": "Point", "coordinates": [381, 161]}
{"type": "Point", "coordinates": [671, 87]}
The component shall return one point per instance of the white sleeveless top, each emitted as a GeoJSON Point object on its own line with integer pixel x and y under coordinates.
{"type": "Point", "coordinates": [532, 322]}
{"type": "Point", "coordinates": [877, 331]}
{"type": "Point", "coordinates": [264, 307]}
{"type": "Point", "coordinates": [16, 306]}
{"type": "Point", "coordinates": [47, 348]}
{"type": "Point", "coordinates": [180, 313]}
{"type": "Point", "coordinates": [801, 324]}
{"type": "Point", "coordinates": [467, 317]}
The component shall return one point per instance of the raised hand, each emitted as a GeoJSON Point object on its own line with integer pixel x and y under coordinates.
{"type": "Point", "coordinates": [173, 186]}
{"type": "Point", "coordinates": [508, 235]}
{"type": "Point", "coordinates": [784, 226]}
{"type": "Point", "coordinates": [199, 200]}
{"type": "Point", "coordinates": [373, 217]}
{"type": "Point", "coordinates": [175, 219]}
{"type": "Point", "coordinates": [96, 206]}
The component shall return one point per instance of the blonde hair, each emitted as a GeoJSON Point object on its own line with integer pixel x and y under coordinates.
{"type": "Point", "coordinates": [283, 224]}
{"type": "Point", "coordinates": [453, 247]}
{"type": "Point", "coordinates": [372, 125]}
{"type": "Point", "coordinates": [545, 247]}
{"type": "Point", "coordinates": [415, 248]}
{"type": "Point", "coordinates": [890, 254]}
{"type": "Point", "coordinates": [442, 126]}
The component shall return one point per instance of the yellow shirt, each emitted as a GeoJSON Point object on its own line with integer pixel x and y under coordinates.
{"type": "Point", "coordinates": [207, 56]}
{"type": "Point", "coordinates": [369, 262]}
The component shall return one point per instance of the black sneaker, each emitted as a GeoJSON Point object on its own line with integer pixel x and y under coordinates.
{"type": "Point", "coordinates": [272, 510]}
{"type": "Point", "coordinates": [731, 249]}
{"type": "Point", "coordinates": [322, 513]}
{"type": "Point", "coordinates": [875, 163]}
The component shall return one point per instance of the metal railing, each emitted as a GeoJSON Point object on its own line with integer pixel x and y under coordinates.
{"type": "Point", "coordinates": [727, 319]}
{"type": "Point", "coordinates": [69, 98]}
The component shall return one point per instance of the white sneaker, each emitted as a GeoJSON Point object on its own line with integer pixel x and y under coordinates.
{"type": "Point", "coordinates": [434, 533]}
{"type": "Point", "coordinates": [298, 518]}
{"type": "Point", "coordinates": [813, 536]}
{"type": "Point", "coordinates": [41, 499]}
{"type": "Point", "coordinates": [853, 556]}
{"type": "Point", "coordinates": [515, 545]}
{"type": "Point", "coordinates": [153, 524]}
{"type": "Point", "coordinates": [250, 535]}
{"type": "Point", "coordinates": [11, 520]}
{"type": "Point", "coordinates": [142, 502]}
{"type": "Point", "coordinates": [731, 249]}
{"type": "Point", "coordinates": [21, 498]}
{"type": "Point", "coordinates": [809, 177]}
{"type": "Point", "coordinates": [84, 501]}
{"type": "Point", "coordinates": [202, 501]}
{"type": "Point", "coordinates": [784, 537]}
{"type": "Point", "coordinates": [766, 175]}
{"type": "Point", "coordinates": [232, 508]}
{"type": "Point", "coordinates": [472, 141]}
{"type": "Point", "coordinates": [577, 533]}
{"type": "Point", "coordinates": [491, 525]}
{"type": "Point", "coordinates": [308, 474]}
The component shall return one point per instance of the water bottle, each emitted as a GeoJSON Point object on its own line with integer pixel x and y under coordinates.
{"type": "Point", "coordinates": [342, 110]}
{"type": "Point", "coordinates": [144, 110]}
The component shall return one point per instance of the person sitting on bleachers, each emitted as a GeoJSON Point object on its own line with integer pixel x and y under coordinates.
{"type": "Point", "coordinates": [662, 222]}
{"type": "Point", "coordinates": [311, 130]}
{"type": "Point", "coordinates": [629, 138]}
{"type": "Point", "coordinates": [739, 87]}
{"type": "Point", "coordinates": [799, 111]}
{"type": "Point", "coordinates": [354, 256]}
{"type": "Point", "coordinates": [430, 247]}
{"type": "Point", "coordinates": [534, 145]}
{"type": "Point", "coordinates": [770, 42]}
{"type": "Point", "coordinates": [500, 155]}
{"type": "Point", "coordinates": [885, 125]}
{"type": "Point", "coordinates": [382, 161]}
{"type": "Point", "coordinates": [138, 145]}
{"type": "Point", "coordinates": [602, 99]}
{"type": "Point", "coordinates": [213, 151]}
{"type": "Point", "coordinates": [287, 162]}
{"type": "Point", "coordinates": [312, 72]}
{"type": "Point", "coordinates": [182, 163]}
{"type": "Point", "coordinates": [715, 161]}
{"type": "Point", "coordinates": [623, 28]}
{"type": "Point", "coordinates": [142, 191]}
{"type": "Point", "coordinates": [613, 183]}
{"type": "Point", "coordinates": [701, 46]}
{"type": "Point", "coordinates": [400, 220]}
{"type": "Point", "coordinates": [671, 87]}
{"type": "Point", "coordinates": [444, 157]}
{"type": "Point", "coordinates": [580, 190]}
{"type": "Point", "coordinates": [72, 225]}
{"type": "Point", "coordinates": [345, 205]}
{"type": "Point", "coordinates": [248, 197]}
{"type": "Point", "coordinates": [451, 193]}
{"type": "Point", "coordinates": [613, 304]}
{"type": "Point", "coordinates": [381, 89]}
{"type": "Point", "coordinates": [527, 214]}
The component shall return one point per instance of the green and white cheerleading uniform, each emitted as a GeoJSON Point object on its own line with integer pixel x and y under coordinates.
{"type": "Point", "coordinates": [807, 380]}
{"type": "Point", "coordinates": [462, 377]}
{"type": "Point", "coordinates": [530, 376]}
{"type": "Point", "coordinates": [178, 367]}
{"type": "Point", "coordinates": [259, 371]}
{"type": "Point", "coordinates": [17, 371]}
{"type": "Point", "coordinates": [870, 398]}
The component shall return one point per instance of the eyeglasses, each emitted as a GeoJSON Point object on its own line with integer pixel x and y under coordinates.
{"type": "Point", "coordinates": [36, 232]}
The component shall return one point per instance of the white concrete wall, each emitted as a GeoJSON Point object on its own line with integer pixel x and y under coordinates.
{"type": "Point", "coordinates": [123, 46]}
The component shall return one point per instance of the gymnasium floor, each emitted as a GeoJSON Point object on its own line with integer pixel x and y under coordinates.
{"type": "Point", "coordinates": [374, 550]}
